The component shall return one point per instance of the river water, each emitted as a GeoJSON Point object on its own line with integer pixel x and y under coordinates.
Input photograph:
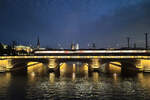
{"type": "Point", "coordinates": [73, 82]}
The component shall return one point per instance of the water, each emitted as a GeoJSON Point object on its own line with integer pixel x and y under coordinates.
{"type": "Point", "coordinates": [74, 82]}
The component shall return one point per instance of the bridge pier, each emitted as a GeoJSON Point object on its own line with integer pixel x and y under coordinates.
{"type": "Point", "coordinates": [9, 65]}
{"type": "Point", "coordinates": [132, 66]}
{"type": "Point", "coordinates": [125, 68]}
{"type": "Point", "coordinates": [146, 65]}
{"type": "Point", "coordinates": [94, 65]}
{"type": "Point", "coordinates": [53, 64]}
{"type": "Point", "coordinates": [6, 65]}
{"type": "Point", "coordinates": [139, 65]}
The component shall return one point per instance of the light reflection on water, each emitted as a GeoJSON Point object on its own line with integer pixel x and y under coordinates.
{"type": "Point", "coordinates": [73, 82]}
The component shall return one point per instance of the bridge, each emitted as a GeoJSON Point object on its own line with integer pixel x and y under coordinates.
{"type": "Point", "coordinates": [129, 59]}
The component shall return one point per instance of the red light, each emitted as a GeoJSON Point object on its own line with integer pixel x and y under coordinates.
{"type": "Point", "coordinates": [66, 51]}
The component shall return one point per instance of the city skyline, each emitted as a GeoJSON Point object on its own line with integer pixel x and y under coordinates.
{"type": "Point", "coordinates": [104, 22]}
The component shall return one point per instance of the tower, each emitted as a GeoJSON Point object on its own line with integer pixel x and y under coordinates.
{"type": "Point", "coordinates": [38, 42]}
{"type": "Point", "coordinates": [93, 46]}
{"type": "Point", "coordinates": [77, 46]}
{"type": "Point", "coordinates": [128, 42]}
{"type": "Point", "coordinates": [73, 46]}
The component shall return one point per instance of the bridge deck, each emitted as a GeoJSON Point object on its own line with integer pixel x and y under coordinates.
{"type": "Point", "coordinates": [86, 54]}
{"type": "Point", "coordinates": [74, 57]}
{"type": "Point", "coordinates": [91, 51]}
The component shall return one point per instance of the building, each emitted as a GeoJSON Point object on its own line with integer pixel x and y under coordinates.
{"type": "Point", "coordinates": [4, 46]}
{"type": "Point", "coordinates": [74, 46]}
{"type": "Point", "coordinates": [77, 46]}
{"type": "Point", "coordinates": [21, 48]}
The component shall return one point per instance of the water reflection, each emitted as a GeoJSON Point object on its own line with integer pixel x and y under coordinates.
{"type": "Point", "coordinates": [4, 84]}
{"type": "Point", "coordinates": [95, 76]}
{"type": "Point", "coordinates": [51, 77]}
{"type": "Point", "coordinates": [34, 71]}
{"type": "Point", "coordinates": [74, 82]}
{"type": "Point", "coordinates": [144, 79]}
{"type": "Point", "coordinates": [73, 69]}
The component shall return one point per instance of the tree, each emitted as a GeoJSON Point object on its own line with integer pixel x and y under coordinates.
{"type": "Point", "coordinates": [9, 50]}
{"type": "Point", "coordinates": [1, 48]}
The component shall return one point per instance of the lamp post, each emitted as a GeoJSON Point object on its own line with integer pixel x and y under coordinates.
{"type": "Point", "coordinates": [146, 40]}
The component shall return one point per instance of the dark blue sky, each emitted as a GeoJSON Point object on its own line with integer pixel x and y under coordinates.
{"type": "Point", "coordinates": [105, 22]}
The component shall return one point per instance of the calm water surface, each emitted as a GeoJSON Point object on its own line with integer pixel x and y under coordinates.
{"type": "Point", "coordinates": [73, 82]}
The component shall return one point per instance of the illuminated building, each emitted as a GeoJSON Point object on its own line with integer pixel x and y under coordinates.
{"type": "Point", "coordinates": [74, 46]}
{"type": "Point", "coordinates": [77, 46]}
{"type": "Point", "coordinates": [4, 46]}
{"type": "Point", "coordinates": [20, 48]}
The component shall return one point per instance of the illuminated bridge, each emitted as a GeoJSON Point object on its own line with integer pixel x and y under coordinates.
{"type": "Point", "coordinates": [94, 58]}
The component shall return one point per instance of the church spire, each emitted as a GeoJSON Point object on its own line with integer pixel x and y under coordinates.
{"type": "Point", "coordinates": [38, 42]}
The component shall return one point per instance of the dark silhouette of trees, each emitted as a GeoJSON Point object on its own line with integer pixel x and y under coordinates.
{"type": "Point", "coordinates": [9, 50]}
{"type": "Point", "coordinates": [1, 49]}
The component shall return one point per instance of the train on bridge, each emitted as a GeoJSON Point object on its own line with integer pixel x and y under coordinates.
{"type": "Point", "coordinates": [96, 52]}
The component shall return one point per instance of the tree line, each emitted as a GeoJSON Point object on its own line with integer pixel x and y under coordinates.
{"type": "Point", "coordinates": [9, 50]}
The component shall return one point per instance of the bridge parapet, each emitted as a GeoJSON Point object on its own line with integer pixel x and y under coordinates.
{"type": "Point", "coordinates": [74, 57]}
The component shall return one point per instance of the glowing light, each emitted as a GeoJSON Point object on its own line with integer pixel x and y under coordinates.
{"type": "Point", "coordinates": [95, 51]}
{"type": "Point", "coordinates": [79, 57]}
{"type": "Point", "coordinates": [62, 67]}
{"type": "Point", "coordinates": [74, 67]}
{"type": "Point", "coordinates": [115, 67]}
{"type": "Point", "coordinates": [85, 67]}
{"type": "Point", "coordinates": [115, 76]}
{"type": "Point", "coordinates": [73, 76]}
{"type": "Point", "coordinates": [146, 65]}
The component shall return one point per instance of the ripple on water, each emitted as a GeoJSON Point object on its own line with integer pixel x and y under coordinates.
{"type": "Point", "coordinates": [96, 87]}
